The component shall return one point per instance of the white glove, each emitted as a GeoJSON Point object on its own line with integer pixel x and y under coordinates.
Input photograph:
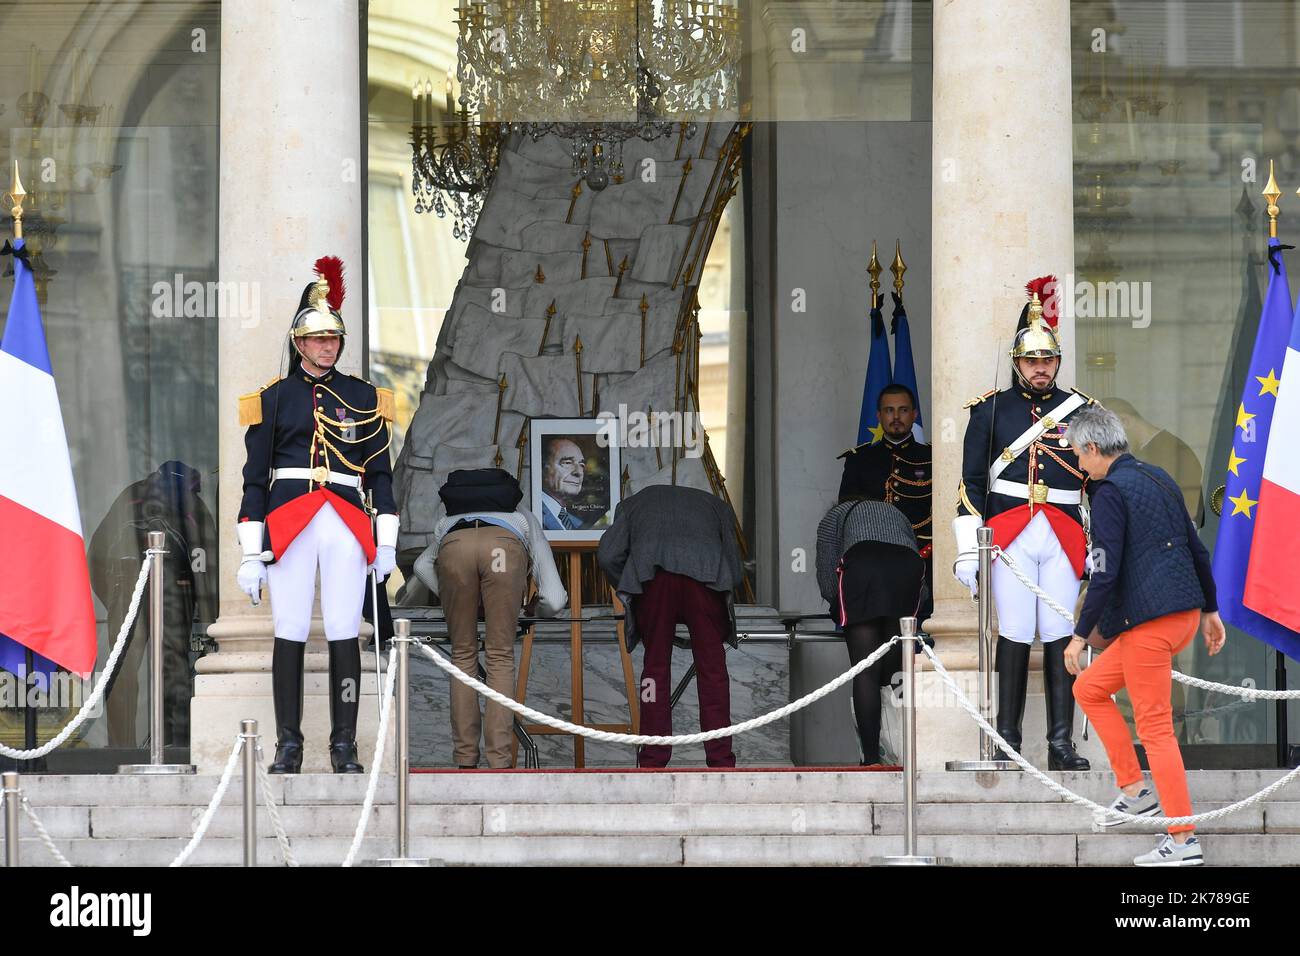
{"type": "Point", "coordinates": [252, 575]}
{"type": "Point", "coordinates": [385, 560]}
{"type": "Point", "coordinates": [967, 572]}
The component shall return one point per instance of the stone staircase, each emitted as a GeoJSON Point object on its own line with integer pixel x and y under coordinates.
{"type": "Point", "coordinates": [760, 817]}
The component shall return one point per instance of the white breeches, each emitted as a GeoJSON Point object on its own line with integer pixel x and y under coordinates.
{"type": "Point", "coordinates": [327, 544]}
{"type": "Point", "coordinates": [1038, 554]}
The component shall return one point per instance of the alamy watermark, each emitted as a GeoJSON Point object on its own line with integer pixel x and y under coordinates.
{"type": "Point", "coordinates": [177, 298]}
{"type": "Point", "coordinates": [638, 429]}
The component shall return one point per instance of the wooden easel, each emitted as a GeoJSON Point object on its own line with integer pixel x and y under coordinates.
{"type": "Point", "coordinates": [574, 550]}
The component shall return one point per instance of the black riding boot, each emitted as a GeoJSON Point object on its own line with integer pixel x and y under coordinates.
{"type": "Point", "coordinates": [286, 690]}
{"type": "Point", "coordinates": [1058, 691]}
{"type": "Point", "coordinates": [345, 696]}
{"type": "Point", "coordinates": [1012, 668]}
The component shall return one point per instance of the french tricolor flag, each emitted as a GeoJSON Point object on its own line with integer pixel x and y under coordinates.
{"type": "Point", "coordinates": [45, 602]}
{"type": "Point", "coordinates": [1273, 575]}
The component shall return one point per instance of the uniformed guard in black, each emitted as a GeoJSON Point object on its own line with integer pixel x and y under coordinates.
{"type": "Point", "coordinates": [1016, 462]}
{"type": "Point", "coordinates": [317, 441]}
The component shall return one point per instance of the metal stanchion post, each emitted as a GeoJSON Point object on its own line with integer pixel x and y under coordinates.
{"type": "Point", "coordinates": [156, 723]}
{"type": "Point", "coordinates": [13, 803]}
{"type": "Point", "coordinates": [988, 759]}
{"type": "Point", "coordinates": [909, 857]}
{"type": "Point", "coordinates": [248, 733]}
{"type": "Point", "coordinates": [402, 648]}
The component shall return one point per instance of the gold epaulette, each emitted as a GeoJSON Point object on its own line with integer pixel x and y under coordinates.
{"type": "Point", "coordinates": [385, 403]}
{"type": "Point", "coordinates": [250, 406]}
{"type": "Point", "coordinates": [979, 398]}
{"type": "Point", "coordinates": [1091, 400]}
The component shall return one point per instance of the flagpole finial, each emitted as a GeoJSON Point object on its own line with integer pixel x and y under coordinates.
{"type": "Point", "coordinates": [898, 267]}
{"type": "Point", "coordinates": [1272, 194]}
{"type": "Point", "coordinates": [875, 268]}
{"type": "Point", "coordinates": [14, 200]}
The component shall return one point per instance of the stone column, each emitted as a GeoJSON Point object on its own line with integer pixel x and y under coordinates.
{"type": "Point", "coordinates": [290, 191]}
{"type": "Point", "coordinates": [1002, 214]}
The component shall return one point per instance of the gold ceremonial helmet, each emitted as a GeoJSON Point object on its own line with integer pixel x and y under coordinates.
{"type": "Point", "coordinates": [318, 309]}
{"type": "Point", "coordinates": [1037, 339]}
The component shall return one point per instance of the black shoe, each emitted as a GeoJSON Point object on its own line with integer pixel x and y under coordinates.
{"type": "Point", "coordinates": [1012, 667]}
{"type": "Point", "coordinates": [1058, 691]}
{"type": "Point", "coordinates": [286, 691]}
{"type": "Point", "coordinates": [345, 696]}
{"type": "Point", "coordinates": [343, 756]}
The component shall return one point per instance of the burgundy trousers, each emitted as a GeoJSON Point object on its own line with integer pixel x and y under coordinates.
{"type": "Point", "coordinates": [666, 600]}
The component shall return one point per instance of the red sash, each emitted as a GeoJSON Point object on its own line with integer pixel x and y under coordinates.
{"type": "Point", "coordinates": [287, 521]}
{"type": "Point", "coordinates": [1008, 525]}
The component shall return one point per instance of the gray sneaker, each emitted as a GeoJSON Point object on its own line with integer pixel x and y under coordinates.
{"type": "Point", "coordinates": [1145, 804]}
{"type": "Point", "coordinates": [1169, 853]}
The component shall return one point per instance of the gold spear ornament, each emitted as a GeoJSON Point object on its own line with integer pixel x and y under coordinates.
{"type": "Point", "coordinates": [1272, 194]}
{"type": "Point", "coordinates": [654, 435]}
{"type": "Point", "coordinates": [577, 354]}
{"type": "Point", "coordinates": [497, 459]}
{"type": "Point", "coordinates": [622, 267]}
{"type": "Point", "coordinates": [501, 396]}
{"type": "Point", "coordinates": [586, 247]}
{"type": "Point", "coordinates": [645, 306]}
{"type": "Point", "coordinates": [539, 276]}
{"type": "Point", "coordinates": [875, 268]}
{"type": "Point", "coordinates": [681, 138]}
{"type": "Point", "coordinates": [573, 200]}
{"type": "Point", "coordinates": [627, 476]}
{"type": "Point", "coordinates": [609, 258]}
{"type": "Point", "coordinates": [546, 329]}
{"type": "Point", "coordinates": [898, 267]}
{"type": "Point", "coordinates": [681, 185]}
{"type": "Point", "coordinates": [14, 200]}
{"type": "Point", "coordinates": [523, 440]}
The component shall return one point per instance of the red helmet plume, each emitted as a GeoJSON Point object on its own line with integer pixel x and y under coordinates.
{"type": "Point", "coordinates": [1049, 294]}
{"type": "Point", "coordinates": [330, 268]}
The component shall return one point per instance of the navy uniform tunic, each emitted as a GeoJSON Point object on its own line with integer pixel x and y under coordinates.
{"type": "Point", "coordinates": [353, 439]}
{"type": "Point", "coordinates": [997, 419]}
{"type": "Point", "coordinates": [897, 472]}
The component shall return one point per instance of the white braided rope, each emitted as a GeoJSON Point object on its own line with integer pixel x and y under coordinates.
{"type": "Point", "coordinates": [44, 834]}
{"type": "Point", "coordinates": [524, 710]}
{"type": "Point", "coordinates": [385, 714]}
{"type": "Point", "coordinates": [206, 821]}
{"type": "Point", "coordinates": [1097, 809]}
{"type": "Point", "coordinates": [1249, 693]}
{"type": "Point", "coordinates": [92, 702]}
{"type": "Point", "coordinates": [273, 810]}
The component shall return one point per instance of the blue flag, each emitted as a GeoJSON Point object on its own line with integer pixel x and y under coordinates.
{"type": "Point", "coordinates": [904, 366]}
{"type": "Point", "coordinates": [878, 376]}
{"type": "Point", "coordinates": [1246, 464]}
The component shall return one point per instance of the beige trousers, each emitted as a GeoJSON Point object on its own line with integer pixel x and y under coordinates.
{"type": "Point", "coordinates": [485, 565]}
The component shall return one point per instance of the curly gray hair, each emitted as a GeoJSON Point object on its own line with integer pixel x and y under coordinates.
{"type": "Point", "coordinates": [1096, 425]}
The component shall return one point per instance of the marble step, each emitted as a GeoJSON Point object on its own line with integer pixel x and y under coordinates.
{"type": "Point", "coordinates": [606, 787]}
{"type": "Point", "coordinates": [696, 850]}
{"type": "Point", "coordinates": [494, 820]}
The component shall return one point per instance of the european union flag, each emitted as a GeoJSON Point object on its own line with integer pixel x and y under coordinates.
{"type": "Point", "coordinates": [904, 365]}
{"type": "Point", "coordinates": [1246, 464]}
{"type": "Point", "coordinates": [878, 376]}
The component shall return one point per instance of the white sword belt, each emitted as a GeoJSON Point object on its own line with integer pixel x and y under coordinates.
{"type": "Point", "coordinates": [1018, 489]}
{"type": "Point", "coordinates": [319, 475]}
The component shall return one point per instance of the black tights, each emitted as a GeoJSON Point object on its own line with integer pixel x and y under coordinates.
{"type": "Point", "coordinates": [862, 640]}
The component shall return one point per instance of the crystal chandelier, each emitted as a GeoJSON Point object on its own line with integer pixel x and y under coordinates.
{"type": "Point", "coordinates": [452, 162]}
{"type": "Point", "coordinates": [594, 72]}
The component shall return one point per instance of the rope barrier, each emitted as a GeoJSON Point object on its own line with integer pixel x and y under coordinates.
{"type": "Point", "coordinates": [606, 736]}
{"type": "Point", "coordinates": [1249, 693]}
{"type": "Point", "coordinates": [92, 702]}
{"type": "Point", "coordinates": [201, 831]}
{"type": "Point", "coordinates": [385, 714]}
{"type": "Point", "coordinates": [1097, 809]}
{"type": "Point", "coordinates": [44, 834]}
{"type": "Point", "coordinates": [273, 811]}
